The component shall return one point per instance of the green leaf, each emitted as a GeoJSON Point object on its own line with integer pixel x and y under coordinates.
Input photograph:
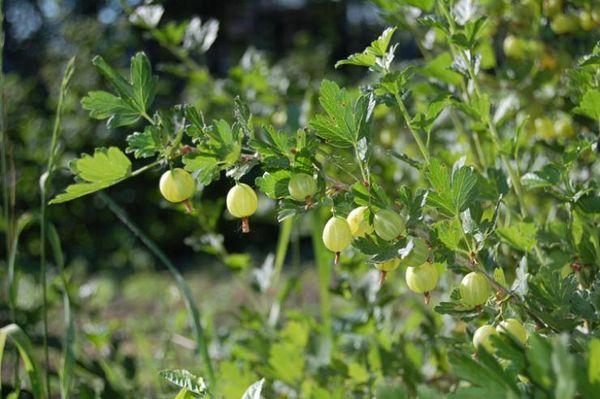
{"type": "Point", "coordinates": [520, 235]}
{"type": "Point", "coordinates": [103, 105]}
{"type": "Point", "coordinates": [205, 168]}
{"type": "Point", "coordinates": [563, 365]}
{"type": "Point", "coordinates": [142, 81]}
{"type": "Point", "coordinates": [438, 68]}
{"type": "Point", "coordinates": [185, 379]}
{"type": "Point", "coordinates": [449, 233]}
{"type": "Point", "coordinates": [346, 115]}
{"type": "Point", "coordinates": [104, 169]}
{"type": "Point", "coordinates": [25, 348]}
{"type": "Point", "coordinates": [590, 104]}
{"type": "Point", "coordinates": [373, 55]}
{"type": "Point", "coordinates": [254, 391]}
{"type": "Point", "coordinates": [452, 193]}
{"type": "Point", "coordinates": [144, 144]}
{"type": "Point", "coordinates": [274, 185]}
{"type": "Point", "coordinates": [122, 86]}
{"type": "Point", "coordinates": [548, 176]}
{"type": "Point", "coordinates": [594, 361]}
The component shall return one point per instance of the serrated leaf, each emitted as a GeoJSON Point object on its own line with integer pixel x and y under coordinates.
{"type": "Point", "coordinates": [449, 233]}
{"type": "Point", "coordinates": [548, 176]}
{"type": "Point", "coordinates": [103, 105]}
{"type": "Point", "coordinates": [101, 170]}
{"type": "Point", "coordinates": [142, 81]}
{"type": "Point", "coordinates": [590, 104]}
{"type": "Point", "coordinates": [346, 115]}
{"type": "Point", "coordinates": [184, 379]}
{"type": "Point", "coordinates": [204, 168]}
{"type": "Point", "coordinates": [274, 185]}
{"type": "Point", "coordinates": [452, 193]}
{"type": "Point", "coordinates": [144, 144]}
{"type": "Point", "coordinates": [373, 54]}
{"type": "Point", "coordinates": [520, 235]}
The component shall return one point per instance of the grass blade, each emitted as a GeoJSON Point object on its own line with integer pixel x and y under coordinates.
{"type": "Point", "coordinates": [193, 311]}
{"type": "Point", "coordinates": [45, 179]}
{"type": "Point", "coordinates": [23, 344]}
{"type": "Point", "coordinates": [68, 359]}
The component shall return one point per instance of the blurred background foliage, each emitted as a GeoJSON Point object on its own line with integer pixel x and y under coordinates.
{"type": "Point", "coordinates": [129, 316]}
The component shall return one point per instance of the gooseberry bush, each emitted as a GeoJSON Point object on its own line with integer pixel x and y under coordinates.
{"type": "Point", "coordinates": [471, 170]}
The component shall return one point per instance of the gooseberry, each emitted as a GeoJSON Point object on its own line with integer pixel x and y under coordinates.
{"type": "Point", "coordinates": [564, 23]}
{"type": "Point", "coordinates": [552, 7]}
{"type": "Point", "coordinates": [337, 236]}
{"type": "Point", "coordinates": [474, 289]}
{"type": "Point", "coordinates": [242, 203]}
{"type": "Point", "coordinates": [482, 337]}
{"type": "Point", "coordinates": [415, 253]}
{"type": "Point", "coordinates": [545, 128]}
{"type": "Point", "coordinates": [177, 185]}
{"type": "Point", "coordinates": [388, 224]}
{"type": "Point", "coordinates": [586, 21]}
{"type": "Point", "coordinates": [422, 279]}
{"type": "Point", "coordinates": [359, 222]}
{"type": "Point", "coordinates": [302, 187]}
{"type": "Point", "coordinates": [513, 328]}
{"type": "Point", "coordinates": [564, 126]}
{"type": "Point", "coordinates": [514, 47]}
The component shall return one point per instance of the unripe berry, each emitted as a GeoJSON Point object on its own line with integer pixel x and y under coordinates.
{"type": "Point", "coordinates": [177, 185]}
{"type": "Point", "coordinates": [359, 222]}
{"type": "Point", "coordinates": [337, 235]}
{"type": "Point", "coordinates": [422, 279]}
{"type": "Point", "coordinates": [241, 203]}
{"type": "Point", "coordinates": [482, 335]}
{"type": "Point", "coordinates": [552, 7]}
{"type": "Point", "coordinates": [474, 289]}
{"type": "Point", "coordinates": [513, 328]}
{"type": "Point", "coordinates": [586, 21]}
{"type": "Point", "coordinates": [545, 128]}
{"type": "Point", "coordinates": [388, 265]}
{"type": "Point", "coordinates": [416, 252]}
{"type": "Point", "coordinates": [302, 187]}
{"type": "Point", "coordinates": [388, 224]}
{"type": "Point", "coordinates": [564, 23]}
{"type": "Point", "coordinates": [564, 127]}
{"type": "Point", "coordinates": [514, 47]}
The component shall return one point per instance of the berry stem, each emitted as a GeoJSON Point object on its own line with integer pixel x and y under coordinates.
{"type": "Point", "coordinates": [336, 260]}
{"type": "Point", "coordinates": [245, 225]}
{"type": "Point", "coordinates": [382, 276]}
{"type": "Point", "coordinates": [308, 202]}
{"type": "Point", "coordinates": [189, 207]}
{"type": "Point", "coordinates": [427, 297]}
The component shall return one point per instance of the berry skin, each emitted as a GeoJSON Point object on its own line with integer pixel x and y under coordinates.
{"type": "Point", "coordinates": [388, 224]}
{"type": "Point", "coordinates": [514, 47]}
{"type": "Point", "coordinates": [545, 128]}
{"type": "Point", "coordinates": [422, 279]}
{"type": "Point", "coordinates": [337, 235]}
{"type": "Point", "coordinates": [552, 7]}
{"type": "Point", "coordinates": [564, 23]}
{"type": "Point", "coordinates": [302, 186]}
{"type": "Point", "coordinates": [177, 185]}
{"type": "Point", "coordinates": [417, 252]}
{"type": "Point", "coordinates": [474, 289]}
{"type": "Point", "coordinates": [564, 127]}
{"type": "Point", "coordinates": [586, 21]}
{"type": "Point", "coordinates": [241, 203]}
{"type": "Point", "coordinates": [388, 266]}
{"type": "Point", "coordinates": [358, 221]}
{"type": "Point", "coordinates": [513, 328]}
{"type": "Point", "coordinates": [482, 335]}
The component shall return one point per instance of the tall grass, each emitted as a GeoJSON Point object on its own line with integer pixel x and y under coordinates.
{"type": "Point", "coordinates": [45, 180]}
{"type": "Point", "coordinates": [192, 308]}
